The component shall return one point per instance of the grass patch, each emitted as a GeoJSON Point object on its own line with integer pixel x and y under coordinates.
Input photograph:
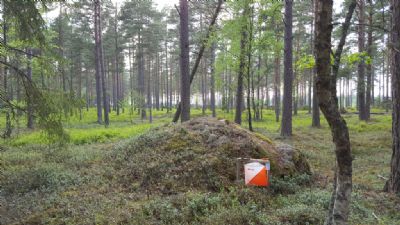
{"type": "Point", "coordinates": [79, 184]}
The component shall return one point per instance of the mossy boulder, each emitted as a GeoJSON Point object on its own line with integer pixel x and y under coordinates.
{"type": "Point", "coordinates": [197, 155]}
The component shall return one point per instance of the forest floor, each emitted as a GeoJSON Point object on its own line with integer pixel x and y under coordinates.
{"type": "Point", "coordinates": [42, 184]}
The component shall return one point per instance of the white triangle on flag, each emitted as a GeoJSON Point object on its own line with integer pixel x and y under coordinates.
{"type": "Point", "coordinates": [251, 170]}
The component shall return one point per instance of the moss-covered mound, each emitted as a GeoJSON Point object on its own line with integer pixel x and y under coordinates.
{"type": "Point", "coordinates": [199, 154]}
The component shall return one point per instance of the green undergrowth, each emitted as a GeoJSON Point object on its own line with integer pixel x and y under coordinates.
{"type": "Point", "coordinates": [98, 181]}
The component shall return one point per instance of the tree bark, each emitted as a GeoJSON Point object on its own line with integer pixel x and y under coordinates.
{"type": "Point", "coordinates": [369, 99]}
{"type": "Point", "coordinates": [8, 128]}
{"type": "Point", "coordinates": [100, 60]}
{"type": "Point", "coordinates": [242, 65]}
{"type": "Point", "coordinates": [328, 105]}
{"type": "Point", "coordinates": [200, 55]}
{"type": "Point", "coordinates": [157, 83]}
{"type": "Point", "coordinates": [286, 130]}
{"type": "Point", "coordinates": [29, 100]}
{"type": "Point", "coordinates": [277, 85]}
{"type": "Point", "coordinates": [361, 65]}
{"type": "Point", "coordinates": [212, 80]}
{"type": "Point", "coordinates": [393, 184]}
{"type": "Point", "coordinates": [316, 122]}
{"type": "Point", "coordinates": [141, 83]}
{"type": "Point", "coordinates": [149, 99]}
{"type": "Point", "coordinates": [97, 67]}
{"type": "Point", "coordinates": [116, 61]}
{"type": "Point", "coordinates": [61, 54]}
{"type": "Point", "coordinates": [248, 69]}
{"type": "Point", "coordinates": [338, 53]}
{"type": "Point", "coordinates": [184, 59]}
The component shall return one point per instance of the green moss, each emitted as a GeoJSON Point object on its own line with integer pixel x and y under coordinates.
{"type": "Point", "coordinates": [263, 137]}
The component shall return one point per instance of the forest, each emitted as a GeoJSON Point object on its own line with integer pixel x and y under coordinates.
{"type": "Point", "coordinates": [153, 111]}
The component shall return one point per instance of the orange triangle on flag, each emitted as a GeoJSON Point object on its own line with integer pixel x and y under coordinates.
{"type": "Point", "coordinates": [260, 179]}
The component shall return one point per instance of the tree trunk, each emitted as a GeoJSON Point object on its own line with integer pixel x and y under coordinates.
{"type": "Point", "coordinates": [29, 100]}
{"type": "Point", "coordinates": [249, 70]}
{"type": "Point", "coordinates": [203, 89]}
{"type": "Point", "coordinates": [328, 105]}
{"type": "Point", "coordinates": [100, 60]}
{"type": "Point", "coordinates": [277, 85]}
{"type": "Point", "coordinates": [149, 101]}
{"type": "Point", "coordinates": [8, 129]}
{"type": "Point", "coordinates": [361, 65]}
{"type": "Point", "coordinates": [393, 184]}
{"type": "Point", "coordinates": [212, 80]}
{"type": "Point", "coordinates": [97, 67]}
{"type": "Point", "coordinates": [166, 78]}
{"type": "Point", "coordinates": [88, 88]}
{"type": "Point", "coordinates": [286, 130]}
{"type": "Point", "coordinates": [242, 66]}
{"type": "Point", "coordinates": [258, 107]}
{"type": "Point", "coordinates": [157, 83]}
{"type": "Point", "coordinates": [130, 79]}
{"type": "Point", "coordinates": [200, 55]}
{"type": "Point", "coordinates": [184, 59]}
{"type": "Point", "coordinates": [79, 72]}
{"type": "Point", "coordinates": [369, 66]}
{"type": "Point", "coordinates": [116, 61]}
{"type": "Point", "coordinates": [141, 87]}
{"type": "Point", "coordinates": [315, 109]}
{"type": "Point", "coordinates": [387, 82]}
{"type": "Point", "coordinates": [61, 54]}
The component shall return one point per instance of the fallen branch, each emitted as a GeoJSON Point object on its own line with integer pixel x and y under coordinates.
{"type": "Point", "coordinates": [382, 177]}
{"type": "Point", "coordinates": [375, 216]}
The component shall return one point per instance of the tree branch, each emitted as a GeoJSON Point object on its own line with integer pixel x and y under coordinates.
{"type": "Point", "coordinates": [176, 7]}
{"type": "Point", "coordinates": [19, 50]}
{"type": "Point", "coordinates": [200, 55]}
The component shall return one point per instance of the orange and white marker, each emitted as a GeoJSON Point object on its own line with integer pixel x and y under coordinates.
{"type": "Point", "coordinates": [255, 174]}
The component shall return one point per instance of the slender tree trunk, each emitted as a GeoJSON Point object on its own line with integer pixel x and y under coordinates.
{"type": "Point", "coordinates": [277, 85]}
{"type": "Point", "coordinates": [361, 65]}
{"type": "Point", "coordinates": [8, 130]}
{"type": "Point", "coordinates": [199, 56]}
{"type": "Point", "coordinates": [184, 59]}
{"type": "Point", "coordinates": [242, 66]}
{"type": "Point", "coordinates": [315, 109]}
{"type": "Point", "coordinates": [166, 78]}
{"type": "Point", "coordinates": [203, 89]}
{"type": "Point", "coordinates": [88, 88]}
{"type": "Point", "coordinates": [266, 88]}
{"type": "Point", "coordinates": [149, 98]}
{"type": "Point", "coordinates": [248, 69]}
{"type": "Point", "coordinates": [157, 83]}
{"type": "Point", "coordinates": [130, 79]}
{"type": "Point", "coordinates": [98, 59]}
{"type": "Point", "coordinates": [230, 92]}
{"type": "Point", "coordinates": [170, 83]}
{"type": "Point", "coordinates": [29, 100]}
{"type": "Point", "coordinates": [212, 80]}
{"type": "Point", "coordinates": [387, 83]}
{"type": "Point", "coordinates": [328, 105]}
{"type": "Point", "coordinates": [369, 66]}
{"type": "Point", "coordinates": [141, 83]}
{"type": "Point", "coordinates": [310, 81]}
{"type": "Point", "coordinates": [61, 53]}
{"type": "Point", "coordinates": [393, 184]}
{"type": "Point", "coordinates": [258, 106]}
{"type": "Point", "coordinates": [79, 72]}
{"type": "Point", "coordinates": [116, 61]}
{"type": "Point", "coordinates": [286, 130]}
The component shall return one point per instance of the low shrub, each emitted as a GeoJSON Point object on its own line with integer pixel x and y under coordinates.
{"type": "Point", "coordinates": [46, 177]}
